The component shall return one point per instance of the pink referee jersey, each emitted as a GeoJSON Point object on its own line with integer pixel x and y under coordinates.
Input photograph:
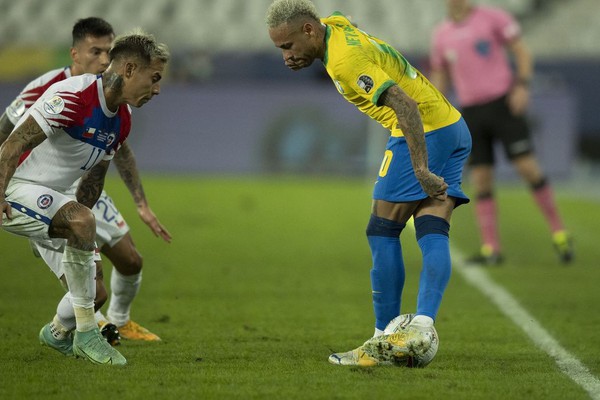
{"type": "Point", "coordinates": [473, 52]}
{"type": "Point", "coordinates": [81, 132]}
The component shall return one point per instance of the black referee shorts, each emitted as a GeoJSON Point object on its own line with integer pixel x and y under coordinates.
{"type": "Point", "coordinates": [491, 122]}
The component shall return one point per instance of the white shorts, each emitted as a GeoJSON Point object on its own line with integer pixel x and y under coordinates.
{"type": "Point", "coordinates": [110, 228]}
{"type": "Point", "coordinates": [110, 225]}
{"type": "Point", "coordinates": [33, 207]}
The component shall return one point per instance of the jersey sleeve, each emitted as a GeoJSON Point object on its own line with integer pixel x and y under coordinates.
{"type": "Point", "coordinates": [109, 155]}
{"type": "Point", "coordinates": [365, 78]}
{"type": "Point", "coordinates": [15, 110]}
{"type": "Point", "coordinates": [24, 101]}
{"type": "Point", "coordinates": [58, 109]}
{"type": "Point", "coordinates": [32, 92]}
{"type": "Point", "coordinates": [505, 25]}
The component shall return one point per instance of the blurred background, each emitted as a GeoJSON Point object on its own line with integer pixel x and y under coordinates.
{"type": "Point", "coordinates": [230, 106]}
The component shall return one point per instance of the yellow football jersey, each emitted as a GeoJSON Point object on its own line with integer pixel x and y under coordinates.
{"type": "Point", "coordinates": [362, 67]}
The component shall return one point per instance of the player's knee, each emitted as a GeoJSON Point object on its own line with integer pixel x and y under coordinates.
{"type": "Point", "coordinates": [384, 227]}
{"type": "Point", "coordinates": [430, 224]}
{"type": "Point", "coordinates": [130, 263]}
{"type": "Point", "coordinates": [539, 183]}
{"type": "Point", "coordinates": [84, 222]}
{"type": "Point", "coordinates": [136, 262]}
{"type": "Point", "coordinates": [485, 195]}
{"type": "Point", "coordinates": [78, 221]}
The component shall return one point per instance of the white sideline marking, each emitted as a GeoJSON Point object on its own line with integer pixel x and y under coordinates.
{"type": "Point", "coordinates": [509, 306]}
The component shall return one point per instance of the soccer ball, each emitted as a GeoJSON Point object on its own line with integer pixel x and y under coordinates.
{"type": "Point", "coordinates": [399, 324]}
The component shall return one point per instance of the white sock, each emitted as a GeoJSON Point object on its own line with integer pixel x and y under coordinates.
{"type": "Point", "coordinates": [123, 289]}
{"type": "Point", "coordinates": [422, 321]}
{"type": "Point", "coordinates": [58, 330]}
{"type": "Point", "coordinates": [85, 318]}
{"type": "Point", "coordinates": [378, 332]}
{"type": "Point", "coordinates": [100, 318]}
{"type": "Point", "coordinates": [65, 315]}
{"type": "Point", "coordinates": [80, 271]}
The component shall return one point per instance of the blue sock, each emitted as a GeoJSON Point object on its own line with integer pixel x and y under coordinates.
{"type": "Point", "coordinates": [387, 275]}
{"type": "Point", "coordinates": [432, 236]}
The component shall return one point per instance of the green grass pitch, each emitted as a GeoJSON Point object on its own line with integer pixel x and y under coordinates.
{"type": "Point", "coordinates": [265, 277]}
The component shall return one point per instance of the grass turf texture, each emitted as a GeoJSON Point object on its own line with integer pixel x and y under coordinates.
{"type": "Point", "coordinates": [266, 277]}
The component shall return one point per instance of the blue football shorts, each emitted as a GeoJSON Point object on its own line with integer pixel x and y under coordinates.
{"type": "Point", "coordinates": [447, 148]}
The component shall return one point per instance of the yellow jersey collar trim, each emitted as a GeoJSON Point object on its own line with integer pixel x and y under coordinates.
{"type": "Point", "coordinates": [327, 36]}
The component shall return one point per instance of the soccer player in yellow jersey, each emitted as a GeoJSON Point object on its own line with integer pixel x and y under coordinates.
{"type": "Point", "coordinates": [420, 175]}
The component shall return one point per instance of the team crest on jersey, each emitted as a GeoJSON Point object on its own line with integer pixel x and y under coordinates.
{"type": "Point", "coordinates": [54, 106]}
{"type": "Point", "coordinates": [365, 82]}
{"type": "Point", "coordinates": [483, 48]}
{"type": "Point", "coordinates": [44, 201]}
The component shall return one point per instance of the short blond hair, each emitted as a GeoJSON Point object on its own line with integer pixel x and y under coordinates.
{"type": "Point", "coordinates": [141, 45]}
{"type": "Point", "coordinates": [284, 11]}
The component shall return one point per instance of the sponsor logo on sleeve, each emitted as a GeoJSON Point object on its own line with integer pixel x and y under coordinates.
{"type": "Point", "coordinates": [365, 82]}
{"type": "Point", "coordinates": [54, 106]}
{"type": "Point", "coordinates": [16, 109]}
{"type": "Point", "coordinates": [338, 86]}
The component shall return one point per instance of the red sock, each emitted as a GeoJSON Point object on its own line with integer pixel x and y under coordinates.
{"type": "Point", "coordinates": [544, 197]}
{"type": "Point", "coordinates": [485, 210]}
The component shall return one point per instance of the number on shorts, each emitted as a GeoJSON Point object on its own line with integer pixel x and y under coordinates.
{"type": "Point", "coordinates": [385, 164]}
{"type": "Point", "coordinates": [109, 212]}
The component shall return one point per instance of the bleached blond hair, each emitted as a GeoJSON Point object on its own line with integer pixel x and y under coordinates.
{"type": "Point", "coordinates": [140, 44]}
{"type": "Point", "coordinates": [284, 11]}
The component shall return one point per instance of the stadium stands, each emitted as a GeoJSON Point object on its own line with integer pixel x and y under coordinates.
{"type": "Point", "coordinates": [222, 25]}
{"type": "Point", "coordinates": [215, 42]}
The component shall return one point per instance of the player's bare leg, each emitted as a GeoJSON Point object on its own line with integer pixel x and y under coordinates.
{"type": "Point", "coordinates": [530, 170]}
{"type": "Point", "coordinates": [482, 179]}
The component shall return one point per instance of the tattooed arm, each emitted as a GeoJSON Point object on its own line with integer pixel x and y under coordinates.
{"type": "Point", "coordinates": [6, 127]}
{"type": "Point", "coordinates": [26, 137]}
{"type": "Point", "coordinates": [91, 184]}
{"type": "Point", "coordinates": [126, 165]}
{"type": "Point", "coordinates": [409, 120]}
